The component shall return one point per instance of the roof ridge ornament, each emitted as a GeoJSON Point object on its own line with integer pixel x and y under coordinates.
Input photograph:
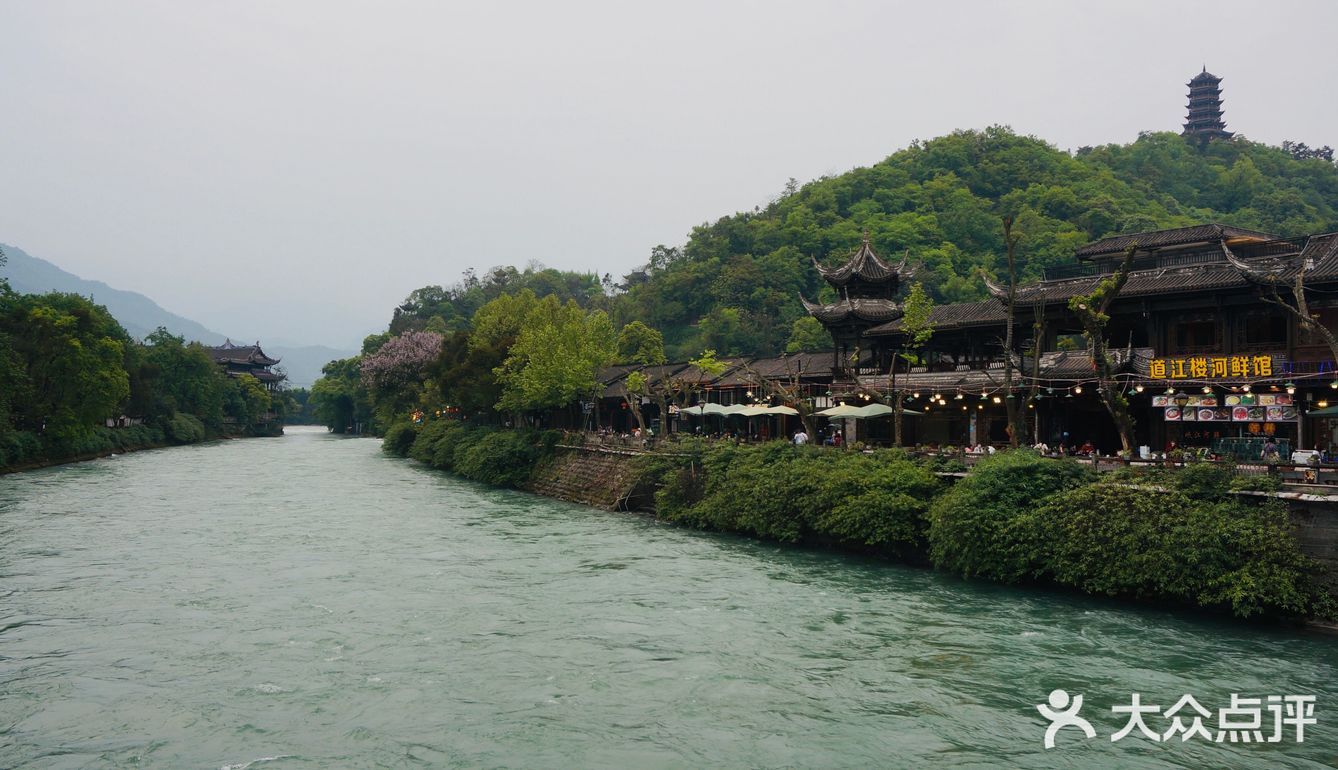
{"type": "Point", "coordinates": [996, 290]}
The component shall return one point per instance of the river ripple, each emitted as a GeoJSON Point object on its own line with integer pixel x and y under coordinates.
{"type": "Point", "coordinates": [307, 602]}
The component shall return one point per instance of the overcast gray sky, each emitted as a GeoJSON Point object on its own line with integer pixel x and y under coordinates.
{"type": "Point", "coordinates": [293, 169]}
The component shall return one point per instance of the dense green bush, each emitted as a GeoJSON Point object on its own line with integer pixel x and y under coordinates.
{"type": "Point", "coordinates": [401, 437]}
{"type": "Point", "coordinates": [505, 458]}
{"type": "Point", "coordinates": [1204, 481]}
{"type": "Point", "coordinates": [184, 428]}
{"type": "Point", "coordinates": [22, 447]}
{"type": "Point", "coordinates": [448, 449]}
{"type": "Point", "coordinates": [1108, 538]}
{"type": "Point", "coordinates": [788, 493]}
{"type": "Point", "coordinates": [18, 448]}
{"type": "Point", "coordinates": [418, 444]}
{"type": "Point", "coordinates": [970, 526]}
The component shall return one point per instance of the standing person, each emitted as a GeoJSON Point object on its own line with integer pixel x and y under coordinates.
{"type": "Point", "coordinates": [836, 439]}
{"type": "Point", "coordinates": [800, 437]}
{"type": "Point", "coordinates": [1270, 453]}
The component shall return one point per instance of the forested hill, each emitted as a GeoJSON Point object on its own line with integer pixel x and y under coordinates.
{"type": "Point", "coordinates": [734, 285]}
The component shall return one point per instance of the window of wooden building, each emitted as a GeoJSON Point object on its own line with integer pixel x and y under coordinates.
{"type": "Point", "coordinates": [1195, 335]}
{"type": "Point", "coordinates": [1263, 331]}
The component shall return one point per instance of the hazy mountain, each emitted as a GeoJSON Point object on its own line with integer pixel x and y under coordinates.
{"type": "Point", "coordinates": [141, 315]}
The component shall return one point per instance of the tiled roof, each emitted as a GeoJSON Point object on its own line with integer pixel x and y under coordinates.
{"type": "Point", "coordinates": [864, 265]}
{"type": "Point", "coordinates": [806, 365]}
{"type": "Point", "coordinates": [1159, 239]}
{"type": "Point", "coordinates": [863, 308]}
{"type": "Point", "coordinates": [616, 385]}
{"type": "Point", "coordinates": [1320, 250]}
{"type": "Point", "coordinates": [988, 311]}
{"type": "Point", "coordinates": [1204, 77]}
{"type": "Point", "coordinates": [616, 372]}
{"type": "Point", "coordinates": [240, 354]}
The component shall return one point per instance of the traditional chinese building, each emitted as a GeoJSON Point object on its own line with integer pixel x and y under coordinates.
{"type": "Point", "coordinates": [247, 359]}
{"type": "Point", "coordinates": [1204, 121]}
{"type": "Point", "coordinates": [866, 289]}
{"type": "Point", "coordinates": [1199, 352]}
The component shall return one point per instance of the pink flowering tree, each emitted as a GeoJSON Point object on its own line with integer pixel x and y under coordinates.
{"type": "Point", "coordinates": [394, 374]}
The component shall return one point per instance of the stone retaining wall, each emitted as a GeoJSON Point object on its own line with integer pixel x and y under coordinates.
{"type": "Point", "coordinates": [1315, 522]}
{"type": "Point", "coordinates": [597, 476]}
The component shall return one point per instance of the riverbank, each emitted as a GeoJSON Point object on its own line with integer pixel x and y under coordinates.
{"type": "Point", "coordinates": [20, 451]}
{"type": "Point", "coordinates": [1016, 518]}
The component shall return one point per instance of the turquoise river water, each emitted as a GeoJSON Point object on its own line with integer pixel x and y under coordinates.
{"type": "Point", "coordinates": [307, 602]}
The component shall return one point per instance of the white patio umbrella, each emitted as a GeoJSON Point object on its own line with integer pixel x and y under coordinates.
{"type": "Point", "coordinates": [844, 410]}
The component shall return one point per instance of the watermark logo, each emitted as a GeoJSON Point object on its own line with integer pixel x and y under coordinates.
{"type": "Point", "coordinates": [1245, 720]}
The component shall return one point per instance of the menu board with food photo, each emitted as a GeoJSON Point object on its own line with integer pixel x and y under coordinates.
{"type": "Point", "coordinates": [1247, 413]}
{"type": "Point", "coordinates": [1173, 413]}
{"type": "Point", "coordinates": [1280, 413]}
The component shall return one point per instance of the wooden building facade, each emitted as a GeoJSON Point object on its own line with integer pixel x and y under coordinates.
{"type": "Point", "coordinates": [1199, 352]}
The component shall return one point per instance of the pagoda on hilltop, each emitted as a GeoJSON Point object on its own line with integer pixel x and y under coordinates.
{"type": "Point", "coordinates": [866, 288]}
{"type": "Point", "coordinates": [1204, 122]}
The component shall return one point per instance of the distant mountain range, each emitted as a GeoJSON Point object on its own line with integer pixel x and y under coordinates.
{"type": "Point", "coordinates": [141, 315]}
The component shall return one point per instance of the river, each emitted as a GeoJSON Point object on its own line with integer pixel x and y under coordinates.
{"type": "Point", "coordinates": [307, 602]}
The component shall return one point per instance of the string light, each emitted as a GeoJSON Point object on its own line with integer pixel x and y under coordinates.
{"type": "Point", "coordinates": [1139, 387]}
{"type": "Point", "coordinates": [1207, 389]}
{"type": "Point", "coordinates": [1245, 388]}
{"type": "Point", "coordinates": [1291, 388]}
{"type": "Point", "coordinates": [998, 400]}
{"type": "Point", "coordinates": [1077, 389]}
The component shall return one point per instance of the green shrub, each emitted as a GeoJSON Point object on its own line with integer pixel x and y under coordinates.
{"type": "Point", "coordinates": [18, 448]}
{"type": "Point", "coordinates": [184, 428]}
{"type": "Point", "coordinates": [781, 492]}
{"type": "Point", "coordinates": [1108, 538]}
{"type": "Point", "coordinates": [504, 458]}
{"type": "Point", "coordinates": [424, 441]}
{"type": "Point", "coordinates": [452, 444]}
{"type": "Point", "coordinates": [970, 526]}
{"type": "Point", "coordinates": [1204, 481]}
{"type": "Point", "coordinates": [399, 438]}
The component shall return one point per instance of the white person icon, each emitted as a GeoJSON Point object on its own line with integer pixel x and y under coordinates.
{"type": "Point", "coordinates": [1061, 714]}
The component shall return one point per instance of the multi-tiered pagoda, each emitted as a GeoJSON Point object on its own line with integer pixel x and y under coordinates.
{"type": "Point", "coordinates": [1205, 109]}
{"type": "Point", "coordinates": [866, 288]}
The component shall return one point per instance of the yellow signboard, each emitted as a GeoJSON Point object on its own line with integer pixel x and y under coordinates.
{"type": "Point", "coordinates": [1216, 367]}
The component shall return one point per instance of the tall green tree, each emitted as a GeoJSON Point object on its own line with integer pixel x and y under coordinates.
{"type": "Point", "coordinates": [642, 345]}
{"type": "Point", "coordinates": [556, 356]}
{"type": "Point", "coordinates": [917, 328]}
{"type": "Point", "coordinates": [72, 355]}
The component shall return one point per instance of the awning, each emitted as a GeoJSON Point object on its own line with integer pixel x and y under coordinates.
{"type": "Point", "coordinates": [863, 412]}
{"type": "Point", "coordinates": [844, 410]}
{"type": "Point", "coordinates": [1328, 411]}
